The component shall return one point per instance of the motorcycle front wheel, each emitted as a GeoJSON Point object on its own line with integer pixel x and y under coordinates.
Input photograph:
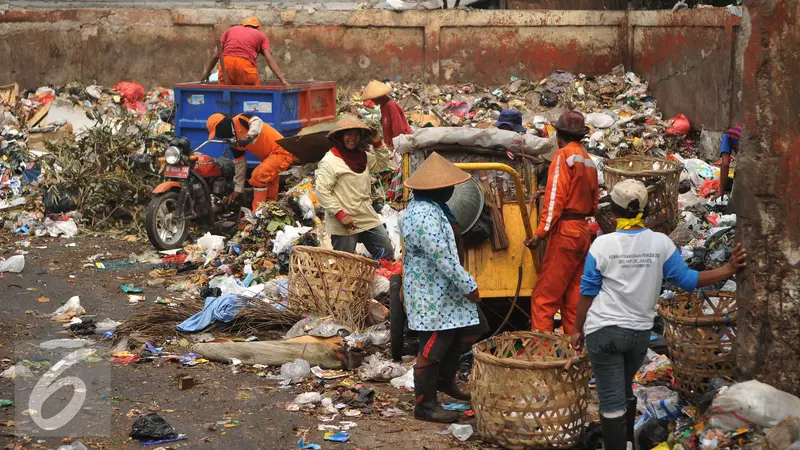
{"type": "Point", "coordinates": [164, 229]}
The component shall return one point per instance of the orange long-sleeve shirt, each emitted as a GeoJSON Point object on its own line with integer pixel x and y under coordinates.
{"type": "Point", "coordinates": [571, 187]}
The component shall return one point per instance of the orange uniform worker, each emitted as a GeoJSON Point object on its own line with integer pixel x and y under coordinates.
{"type": "Point", "coordinates": [571, 196]}
{"type": "Point", "coordinates": [241, 46]}
{"type": "Point", "coordinates": [260, 140]}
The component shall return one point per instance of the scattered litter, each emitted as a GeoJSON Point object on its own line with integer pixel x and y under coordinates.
{"type": "Point", "coordinates": [378, 368]}
{"type": "Point", "coordinates": [310, 445]}
{"type": "Point", "coordinates": [308, 398]}
{"type": "Point", "coordinates": [337, 436]}
{"type": "Point", "coordinates": [128, 289]}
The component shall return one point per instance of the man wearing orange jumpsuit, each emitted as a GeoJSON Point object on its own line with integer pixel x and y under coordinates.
{"type": "Point", "coordinates": [259, 139]}
{"type": "Point", "coordinates": [241, 46]}
{"type": "Point", "coordinates": [571, 197]}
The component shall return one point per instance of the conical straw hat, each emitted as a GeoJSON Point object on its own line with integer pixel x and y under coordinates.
{"type": "Point", "coordinates": [435, 173]}
{"type": "Point", "coordinates": [348, 123]}
{"type": "Point", "coordinates": [375, 89]}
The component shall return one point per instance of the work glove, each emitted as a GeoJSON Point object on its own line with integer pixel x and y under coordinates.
{"type": "Point", "coordinates": [244, 142]}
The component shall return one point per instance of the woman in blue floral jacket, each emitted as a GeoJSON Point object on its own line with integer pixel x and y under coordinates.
{"type": "Point", "coordinates": [441, 297]}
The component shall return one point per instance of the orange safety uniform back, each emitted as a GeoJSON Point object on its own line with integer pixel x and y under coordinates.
{"type": "Point", "coordinates": [572, 187]}
{"type": "Point", "coordinates": [265, 145]}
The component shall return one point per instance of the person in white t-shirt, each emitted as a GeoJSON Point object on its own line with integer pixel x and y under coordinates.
{"type": "Point", "coordinates": [620, 286]}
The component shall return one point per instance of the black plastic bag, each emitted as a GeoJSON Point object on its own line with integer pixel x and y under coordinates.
{"type": "Point", "coordinates": [152, 427]}
{"type": "Point", "coordinates": [652, 432]}
{"type": "Point", "coordinates": [62, 202]}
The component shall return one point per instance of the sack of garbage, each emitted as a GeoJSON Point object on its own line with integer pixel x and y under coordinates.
{"type": "Point", "coordinates": [680, 126]}
{"type": "Point", "coordinates": [489, 138]}
{"type": "Point", "coordinates": [751, 402]}
{"type": "Point", "coordinates": [14, 264]}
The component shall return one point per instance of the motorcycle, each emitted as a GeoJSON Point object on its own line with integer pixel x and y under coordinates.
{"type": "Point", "coordinates": [193, 190]}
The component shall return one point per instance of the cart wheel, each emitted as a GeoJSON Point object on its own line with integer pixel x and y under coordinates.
{"type": "Point", "coordinates": [397, 316]}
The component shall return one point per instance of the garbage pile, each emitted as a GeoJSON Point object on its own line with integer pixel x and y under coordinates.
{"type": "Point", "coordinates": [623, 116]}
{"type": "Point", "coordinates": [87, 151]}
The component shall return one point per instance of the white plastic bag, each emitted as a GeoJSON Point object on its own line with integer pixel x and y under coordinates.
{"type": "Point", "coordinates": [106, 325]}
{"type": "Point", "coordinates": [14, 264]}
{"type": "Point", "coordinates": [66, 228]}
{"type": "Point", "coordinates": [599, 120]}
{"type": "Point", "coordinates": [308, 398]}
{"type": "Point", "coordinates": [405, 381]}
{"type": "Point", "coordinates": [751, 402]}
{"type": "Point", "coordinates": [211, 242]}
{"type": "Point", "coordinates": [295, 372]}
{"type": "Point", "coordinates": [284, 238]}
{"type": "Point", "coordinates": [306, 206]}
{"type": "Point", "coordinates": [377, 368]}
{"type": "Point", "coordinates": [73, 305]}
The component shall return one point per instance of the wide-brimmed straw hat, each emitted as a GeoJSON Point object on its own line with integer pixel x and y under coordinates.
{"type": "Point", "coordinates": [348, 123]}
{"type": "Point", "coordinates": [375, 89]}
{"type": "Point", "coordinates": [436, 173]}
{"type": "Point", "coordinates": [572, 122]}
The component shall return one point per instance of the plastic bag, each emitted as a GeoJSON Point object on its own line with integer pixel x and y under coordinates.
{"type": "Point", "coordinates": [152, 427]}
{"type": "Point", "coordinates": [655, 368]}
{"type": "Point", "coordinates": [378, 368]}
{"type": "Point", "coordinates": [306, 206]}
{"type": "Point", "coordinates": [377, 335]}
{"type": "Point", "coordinates": [295, 372]}
{"type": "Point", "coordinates": [708, 188]}
{"type": "Point", "coordinates": [680, 126]}
{"type": "Point", "coordinates": [132, 93]}
{"type": "Point", "coordinates": [751, 402]}
{"type": "Point", "coordinates": [211, 242]}
{"type": "Point", "coordinates": [77, 445]}
{"type": "Point", "coordinates": [308, 398]}
{"type": "Point", "coordinates": [66, 228]}
{"type": "Point", "coordinates": [14, 264]}
{"type": "Point", "coordinates": [405, 381]}
{"type": "Point", "coordinates": [460, 432]}
{"type": "Point", "coordinates": [284, 238]}
{"type": "Point", "coordinates": [73, 306]}
{"type": "Point", "coordinates": [599, 120]}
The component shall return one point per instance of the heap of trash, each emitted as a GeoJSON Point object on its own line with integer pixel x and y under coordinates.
{"type": "Point", "coordinates": [79, 152]}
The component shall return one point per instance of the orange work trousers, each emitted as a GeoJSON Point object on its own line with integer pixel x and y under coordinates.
{"type": "Point", "coordinates": [241, 72]}
{"type": "Point", "coordinates": [559, 284]}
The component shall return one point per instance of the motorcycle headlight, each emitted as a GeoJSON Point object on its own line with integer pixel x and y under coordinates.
{"type": "Point", "coordinates": [172, 155]}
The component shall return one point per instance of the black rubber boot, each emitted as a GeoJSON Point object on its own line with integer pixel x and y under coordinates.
{"type": "Point", "coordinates": [447, 376]}
{"type": "Point", "coordinates": [614, 432]}
{"type": "Point", "coordinates": [630, 415]}
{"type": "Point", "coordinates": [428, 407]}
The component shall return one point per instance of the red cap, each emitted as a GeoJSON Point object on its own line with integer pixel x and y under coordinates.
{"type": "Point", "coordinates": [572, 122]}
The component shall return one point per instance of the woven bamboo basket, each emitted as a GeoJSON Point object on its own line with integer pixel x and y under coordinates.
{"type": "Point", "coordinates": [701, 331]}
{"type": "Point", "coordinates": [661, 175]}
{"type": "Point", "coordinates": [529, 390]}
{"type": "Point", "coordinates": [331, 283]}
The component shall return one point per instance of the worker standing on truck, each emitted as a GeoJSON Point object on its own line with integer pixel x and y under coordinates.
{"type": "Point", "coordinates": [440, 295]}
{"type": "Point", "coordinates": [570, 198]}
{"type": "Point", "coordinates": [728, 146]}
{"type": "Point", "coordinates": [393, 124]}
{"type": "Point", "coordinates": [259, 139]}
{"type": "Point", "coordinates": [241, 46]}
{"type": "Point", "coordinates": [344, 189]}
{"type": "Point", "coordinates": [621, 283]}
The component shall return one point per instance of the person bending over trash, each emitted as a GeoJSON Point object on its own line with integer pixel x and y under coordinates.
{"type": "Point", "coordinates": [241, 46]}
{"type": "Point", "coordinates": [619, 289]}
{"type": "Point", "coordinates": [441, 297]}
{"type": "Point", "coordinates": [344, 189]}
{"type": "Point", "coordinates": [254, 136]}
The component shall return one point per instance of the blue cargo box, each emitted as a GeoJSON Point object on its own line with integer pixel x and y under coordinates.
{"type": "Point", "coordinates": [276, 105]}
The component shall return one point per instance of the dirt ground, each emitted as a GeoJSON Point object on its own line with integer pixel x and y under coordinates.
{"type": "Point", "coordinates": [59, 272]}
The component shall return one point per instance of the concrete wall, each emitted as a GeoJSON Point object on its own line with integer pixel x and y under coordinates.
{"type": "Point", "coordinates": [688, 56]}
{"type": "Point", "coordinates": [767, 198]}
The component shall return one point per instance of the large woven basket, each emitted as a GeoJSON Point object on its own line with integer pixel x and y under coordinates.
{"type": "Point", "coordinates": [661, 173]}
{"type": "Point", "coordinates": [701, 332]}
{"type": "Point", "coordinates": [331, 283]}
{"type": "Point", "coordinates": [529, 390]}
